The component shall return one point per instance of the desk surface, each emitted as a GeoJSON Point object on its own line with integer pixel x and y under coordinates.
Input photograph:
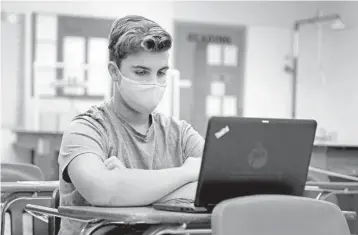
{"type": "Point", "coordinates": [29, 186]}
{"type": "Point", "coordinates": [135, 215]}
{"type": "Point", "coordinates": [352, 186]}
{"type": "Point", "coordinates": [37, 131]}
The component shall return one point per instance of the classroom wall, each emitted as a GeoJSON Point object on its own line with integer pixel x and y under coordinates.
{"type": "Point", "coordinates": [267, 88]}
{"type": "Point", "coordinates": [269, 42]}
{"type": "Point", "coordinates": [11, 61]}
{"type": "Point", "coordinates": [327, 90]}
{"type": "Point", "coordinates": [268, 31]}
{"type": "Point", "coordinates": [158, 11]}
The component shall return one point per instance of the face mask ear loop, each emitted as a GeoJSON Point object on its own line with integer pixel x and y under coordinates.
{"type": "Point", "coordinates": [119, 73]}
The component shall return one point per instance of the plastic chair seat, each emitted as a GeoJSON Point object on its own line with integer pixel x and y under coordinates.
{"type": "Point", "coordinates": [278, 215]}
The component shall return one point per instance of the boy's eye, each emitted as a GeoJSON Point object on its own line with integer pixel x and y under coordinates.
{"type": "Point", "coordinates": [141, 73]}
{"type": "Point", "coordinates": [162, 73]}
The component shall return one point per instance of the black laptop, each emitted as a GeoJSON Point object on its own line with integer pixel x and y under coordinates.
{"type": "Point", "coordinates": [248, 156]}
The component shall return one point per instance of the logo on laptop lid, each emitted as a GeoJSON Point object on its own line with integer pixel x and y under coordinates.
{"type": "Point", "coordinates": [258, 157]}
{"type": "Point", "coordinates": [222, 132]}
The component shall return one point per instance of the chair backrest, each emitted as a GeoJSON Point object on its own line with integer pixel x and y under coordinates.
{"type": "Point", "coordinates": [55, 222]}
{"type": "Point", "coordinates": [348, 202]}
{"type": "Point", "coordinates": [21, 224]}
{"type": "Point", "coordinates": [11, 172]}
{"type": "Point", "coordinates": [277, 215]}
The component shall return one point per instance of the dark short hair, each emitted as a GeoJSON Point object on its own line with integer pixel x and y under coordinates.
{"type": "Point", "coordinates": [132, 34]}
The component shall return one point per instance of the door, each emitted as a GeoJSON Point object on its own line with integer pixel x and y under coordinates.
{"type": "Point", "coordinates": [71, 56]}
{"type": "Point", "coordinates": [84, 41]}
{"type": "Point", "coordinates": [210, 59]}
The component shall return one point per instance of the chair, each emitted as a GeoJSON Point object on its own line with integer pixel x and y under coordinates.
{"type": "Point", "coordinates": [347, 202]}
{"type": "Point", "coordinates": [11, 172]}
{"type": "Point", "coordinates": [278, 215]}
{"type": "Point", "coordinates": [54, 223]}
{"type": "Point", "coordinates": [16, 211]}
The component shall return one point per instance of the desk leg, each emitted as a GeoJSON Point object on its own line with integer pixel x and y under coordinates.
{"type": "Point", "coordinates": [322, 195]}
{"type": "Point", "coordinates": [3, 212]}
{"type": "Point", "coordinates": [33, 154]}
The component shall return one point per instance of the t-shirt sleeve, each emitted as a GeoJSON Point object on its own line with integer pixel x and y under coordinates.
{"type": "Point", "coordinates": [193, 142]}
{"type": "Point", "coordinates": [81, 137]}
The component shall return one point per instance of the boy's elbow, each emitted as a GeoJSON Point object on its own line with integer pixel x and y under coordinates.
{"type": "Point", "coordinates": [96, 199]}
{"type": "Point", "coordinates": [98, 194]}
{"type": "Point", "coordinates": [105, 192]}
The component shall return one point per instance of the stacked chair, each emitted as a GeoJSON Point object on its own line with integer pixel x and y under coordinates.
{"type": "Point", "coordinates": [12, 172]}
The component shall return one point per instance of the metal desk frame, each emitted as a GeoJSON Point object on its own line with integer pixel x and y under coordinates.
{"type": "Point", "coordinates": [94, 224]}
{"type": "Point", "coordinates": [12, 192]}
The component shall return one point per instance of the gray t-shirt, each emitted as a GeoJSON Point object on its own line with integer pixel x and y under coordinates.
{"type": "Point", "coordinates": [100, 131]}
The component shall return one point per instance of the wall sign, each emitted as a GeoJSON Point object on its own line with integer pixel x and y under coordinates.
{"type": "Point", "coordinates": [209, 38]}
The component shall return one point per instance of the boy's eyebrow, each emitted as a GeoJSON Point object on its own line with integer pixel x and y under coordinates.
{"type": "Point", "coordinates": [165, 67]}
{"type": "Point", "coordinates": [146, 68]}
{"type": "Point", "coordinates": [140, 67]}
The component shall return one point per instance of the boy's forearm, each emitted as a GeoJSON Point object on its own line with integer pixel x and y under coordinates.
{"type": "Point", "coordinates": [134, 187]}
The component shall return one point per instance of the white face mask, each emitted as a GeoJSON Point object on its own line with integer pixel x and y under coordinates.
{"type": "Point", "coordinates": [142, 97]}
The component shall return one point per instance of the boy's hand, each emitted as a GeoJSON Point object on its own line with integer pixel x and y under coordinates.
{"type": "Point", "coordinates": [113, 163]}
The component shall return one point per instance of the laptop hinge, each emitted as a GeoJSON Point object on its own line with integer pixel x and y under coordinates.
{"type": "Point", "coordinates": [210, 206]}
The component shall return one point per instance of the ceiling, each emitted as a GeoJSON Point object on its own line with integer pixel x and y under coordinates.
{"type": "Point", "coordinates": [263, 13]}
{"type": "Point", "coordinates": [258, 13]}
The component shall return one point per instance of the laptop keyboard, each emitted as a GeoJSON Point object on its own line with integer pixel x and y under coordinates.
{"type": "Point", "coordinates": [179, 201]}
